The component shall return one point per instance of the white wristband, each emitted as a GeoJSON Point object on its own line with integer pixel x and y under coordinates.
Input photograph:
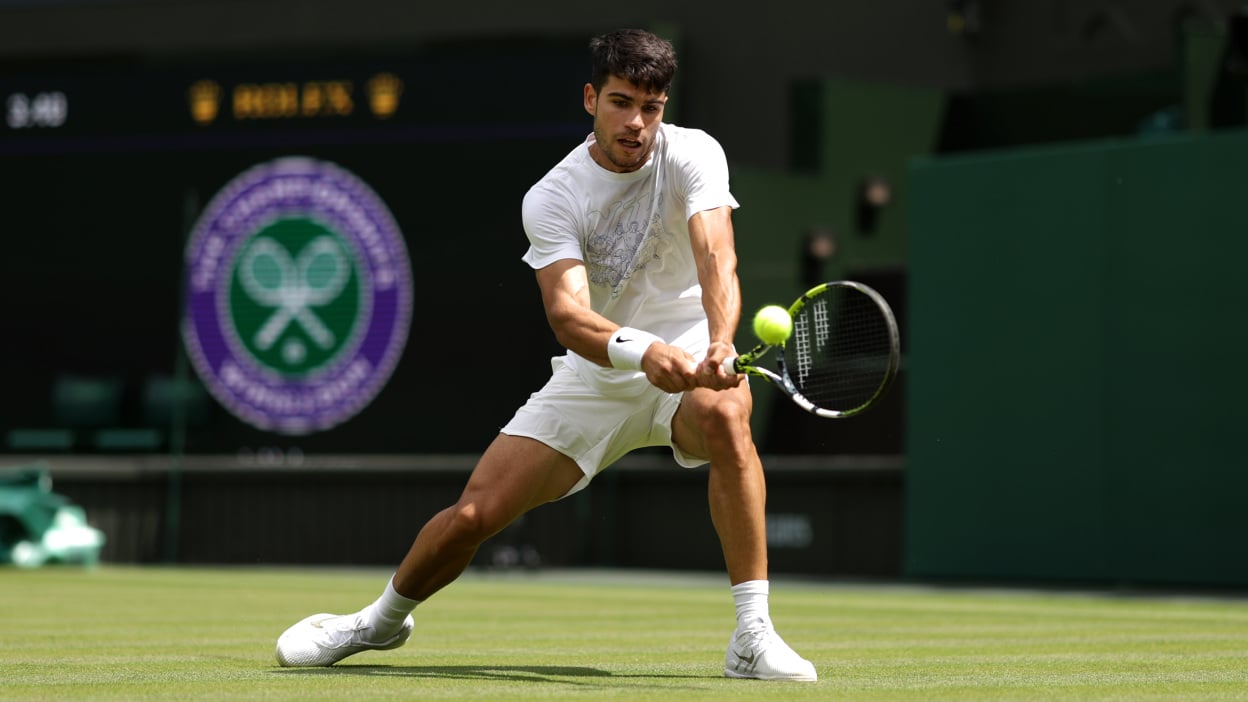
{"type": "Point", "coordinates": [627, 346]}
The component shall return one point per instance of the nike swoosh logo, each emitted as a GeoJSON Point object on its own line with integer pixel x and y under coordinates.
{"type": "Point", "coordinates": [621, 340]}
{"type": "Point", "coordinates": [748, 660]}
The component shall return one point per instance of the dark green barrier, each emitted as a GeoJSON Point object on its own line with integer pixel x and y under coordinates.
{"type": "Point", "coordinates": [1076, 381]}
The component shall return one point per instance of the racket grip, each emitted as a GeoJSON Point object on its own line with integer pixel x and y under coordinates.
{"type": "Point", "coordinates": [730, 365]}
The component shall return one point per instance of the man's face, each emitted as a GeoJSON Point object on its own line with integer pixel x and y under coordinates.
{"type": "Point", "coordinates": [626, 119]}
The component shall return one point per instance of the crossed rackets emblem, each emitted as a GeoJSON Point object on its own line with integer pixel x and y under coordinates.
{"type": "Point", "coordinates": [294, 285]}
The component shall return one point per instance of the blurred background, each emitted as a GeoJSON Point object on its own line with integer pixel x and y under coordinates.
{"type": "Point", "coordinates": [1050, 193]}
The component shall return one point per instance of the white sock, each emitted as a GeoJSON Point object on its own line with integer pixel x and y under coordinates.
{"type": "Point", "coordinates": [386, 615]}
{"type": "Point", "coordinates": [750, 598]}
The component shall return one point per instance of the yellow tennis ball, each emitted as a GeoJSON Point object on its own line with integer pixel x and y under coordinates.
{"type": "Point", "coordinates": [773, 325]}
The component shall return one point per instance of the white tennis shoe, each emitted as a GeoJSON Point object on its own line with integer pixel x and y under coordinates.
{"type": "Point", "coordinates": [325, 639]}
{"type": "Point", "coordinates": [758, 652]}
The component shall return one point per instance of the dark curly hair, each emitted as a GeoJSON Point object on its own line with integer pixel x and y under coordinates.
{"type": "Point", "coordinates": [635, 55]}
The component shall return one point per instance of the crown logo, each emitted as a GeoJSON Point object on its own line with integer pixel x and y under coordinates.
{"type": "Point", "coordinates": [205, 99]}
{"type": "Point", "coordinates": [384, 90]}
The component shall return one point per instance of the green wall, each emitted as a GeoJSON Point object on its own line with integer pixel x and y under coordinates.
{"type": "Point", "coordinates": [1075, 351]}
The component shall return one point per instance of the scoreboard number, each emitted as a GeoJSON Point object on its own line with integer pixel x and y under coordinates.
{"type": "Point", "coordinates": [46, 110]}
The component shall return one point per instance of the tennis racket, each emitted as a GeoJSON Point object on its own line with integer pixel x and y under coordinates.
{"type": "Point", "coordinates": [843, 353]}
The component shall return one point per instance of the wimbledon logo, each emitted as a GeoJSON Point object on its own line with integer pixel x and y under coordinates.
{"type": "Point", "coordinates": [299, 297]}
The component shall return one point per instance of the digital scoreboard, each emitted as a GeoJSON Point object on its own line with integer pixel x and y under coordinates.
{"type": "Point", "coordinates": [512, 88]}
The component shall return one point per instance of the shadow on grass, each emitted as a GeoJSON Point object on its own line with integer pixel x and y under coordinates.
{"type": "Point", "coordinates": [510, 673]}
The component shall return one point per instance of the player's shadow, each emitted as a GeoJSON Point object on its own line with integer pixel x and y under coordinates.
{"type": "Point", "coordinates": [568, 675]}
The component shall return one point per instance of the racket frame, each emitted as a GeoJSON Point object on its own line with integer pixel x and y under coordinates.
{"type": "Point", "coordinates": [746, 363]}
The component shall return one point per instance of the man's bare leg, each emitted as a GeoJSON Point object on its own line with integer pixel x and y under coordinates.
{"type": "Point", "coordinates": [514, 475]}
{"type": "Point", "coordinates": [716, 425]}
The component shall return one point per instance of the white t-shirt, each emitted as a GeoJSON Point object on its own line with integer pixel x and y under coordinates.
{"type": "Point", "coordinates": [631, 230]}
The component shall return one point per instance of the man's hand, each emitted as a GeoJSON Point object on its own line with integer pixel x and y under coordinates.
{"type": "Point", "coordinates": [711, 373]}
{"type": "Point", "coordinates": [669, 368]}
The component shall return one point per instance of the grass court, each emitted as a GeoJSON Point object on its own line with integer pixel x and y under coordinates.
{"type": "Point", "coordinates": [136, 633]}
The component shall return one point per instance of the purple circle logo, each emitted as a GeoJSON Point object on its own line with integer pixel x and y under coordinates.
{"type": "Point", "coordinates": [299, 296]}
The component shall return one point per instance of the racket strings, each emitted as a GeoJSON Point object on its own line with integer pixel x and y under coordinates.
{"type": "Point", "coordinates": [841, 350]}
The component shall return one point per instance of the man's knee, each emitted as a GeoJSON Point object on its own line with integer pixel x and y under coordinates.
{"type": "Point", "coordinates": [714, 425]}
{"type": "Point", "coordinates": [728, 415]}
{"type": "Point", "coordinates": [472, 523]}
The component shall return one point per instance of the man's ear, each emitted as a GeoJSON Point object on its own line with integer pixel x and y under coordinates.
{"type": "Point", "coordinates": [591, 99]}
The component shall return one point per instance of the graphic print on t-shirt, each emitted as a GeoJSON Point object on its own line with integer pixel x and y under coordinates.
{"type": "Point", "coordinates": [624, 239]}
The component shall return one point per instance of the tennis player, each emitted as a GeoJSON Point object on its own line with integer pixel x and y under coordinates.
{"type": "Point", "coordinates": [631, 239]}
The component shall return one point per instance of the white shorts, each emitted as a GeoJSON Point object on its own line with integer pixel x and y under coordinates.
{"type": "Point", "coordinates": [596, 429]}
